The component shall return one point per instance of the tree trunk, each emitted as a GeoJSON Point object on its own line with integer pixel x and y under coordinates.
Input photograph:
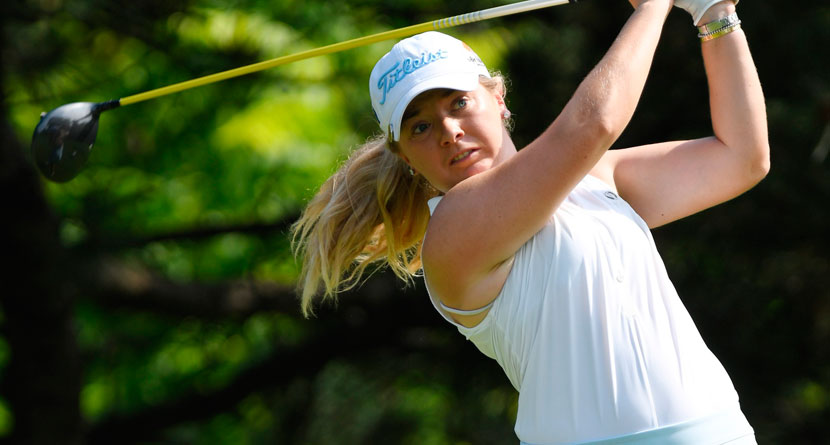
{"type": "Point", "coordinates": [41, 382]}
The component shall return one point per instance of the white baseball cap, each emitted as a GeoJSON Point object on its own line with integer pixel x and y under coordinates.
{"type": "Point", "coordinates": [416, 64]}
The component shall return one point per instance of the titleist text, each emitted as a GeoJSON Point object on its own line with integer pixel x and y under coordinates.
{"type": "Point", "coordinates": [402, 69]}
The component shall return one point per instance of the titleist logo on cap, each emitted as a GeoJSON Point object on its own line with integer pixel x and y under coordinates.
{"type": "Point", "coordinates": [402, 69]}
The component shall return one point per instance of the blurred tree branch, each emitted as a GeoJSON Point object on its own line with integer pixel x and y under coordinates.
{"type": "Point", "coordinates": [260, 229]}
{"type": "Point", "coordinates": [114, 283]}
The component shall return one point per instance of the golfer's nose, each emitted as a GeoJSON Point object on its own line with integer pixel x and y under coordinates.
{"type": "Point", "coordinates": [451, 131]}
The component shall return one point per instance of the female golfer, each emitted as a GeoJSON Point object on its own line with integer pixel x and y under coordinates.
{"type": "Point", "coordinates": [543, 257]}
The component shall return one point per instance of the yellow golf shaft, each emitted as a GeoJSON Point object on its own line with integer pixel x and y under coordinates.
{"type": "Point", "coordinates": [448, 22]}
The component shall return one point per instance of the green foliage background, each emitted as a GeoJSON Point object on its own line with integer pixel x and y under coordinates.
{"type": "Point", "coordinates": [190, 195]}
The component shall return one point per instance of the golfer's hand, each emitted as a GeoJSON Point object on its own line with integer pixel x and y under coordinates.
{"type": "Point", "coordinates": [705, 11]}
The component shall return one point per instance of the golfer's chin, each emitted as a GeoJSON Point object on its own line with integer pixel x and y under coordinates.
{"type": "Point", "coordinates": [477, 167]}
{"type": "Point", "coordinates": [470, 171]}
{"type": "Point", "coordinates": [459, 175]}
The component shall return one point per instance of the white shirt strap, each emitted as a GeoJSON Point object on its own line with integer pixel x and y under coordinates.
{"type": "Point", "coordinates": [462, 312]}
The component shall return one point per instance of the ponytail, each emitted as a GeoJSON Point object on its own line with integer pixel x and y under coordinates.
{"type": "Point", "coordinates": [371, 210]}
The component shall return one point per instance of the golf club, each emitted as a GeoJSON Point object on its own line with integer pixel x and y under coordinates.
{"type": "Point", "coordinates": [64, 136]}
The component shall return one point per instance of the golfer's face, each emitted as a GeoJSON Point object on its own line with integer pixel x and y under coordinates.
{"type": "Point", "coordinates": [448, 135]}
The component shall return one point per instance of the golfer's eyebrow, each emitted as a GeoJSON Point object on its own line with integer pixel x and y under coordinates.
{"type": "Point", "coordinates": [415, 107]}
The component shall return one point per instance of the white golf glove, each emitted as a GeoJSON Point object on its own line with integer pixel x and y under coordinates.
{"type": "Point", "coordinates": [697, 7]}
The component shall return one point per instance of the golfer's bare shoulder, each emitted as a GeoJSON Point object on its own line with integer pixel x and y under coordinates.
{"type": "Point", "coordinates": [465, 287]}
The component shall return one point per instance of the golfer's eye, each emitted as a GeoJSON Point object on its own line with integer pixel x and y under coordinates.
{"type": "Point", "coordinates": [419, 128]}
{"type": "Point", "coordinates": [460, 103]}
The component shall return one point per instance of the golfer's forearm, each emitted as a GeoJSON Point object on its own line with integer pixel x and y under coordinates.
{"type": "Point", "coordinates": [738, 111]}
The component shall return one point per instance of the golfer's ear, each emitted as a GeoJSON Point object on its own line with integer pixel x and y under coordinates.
{"type": "Point", "coordinates": [500, 99]}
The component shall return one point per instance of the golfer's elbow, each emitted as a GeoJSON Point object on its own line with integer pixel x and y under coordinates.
{"type": "Point", "coordinates": [761, 164]}
{"type": "Point", "coordinates": [757, 162]}
{"type": "Point", "coordinates": [608, 126]}
{"type": "Point", "coordinates": [609, 118]}
{"type": "Point", "coordinates": [602, 125]}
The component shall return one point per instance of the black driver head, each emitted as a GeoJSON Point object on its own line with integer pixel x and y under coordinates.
{"type": "Point", "coordinates": [64, 137]}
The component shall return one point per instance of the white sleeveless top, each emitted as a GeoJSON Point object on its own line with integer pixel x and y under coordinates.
{"type": "Point", "coordinates": [591, 332]}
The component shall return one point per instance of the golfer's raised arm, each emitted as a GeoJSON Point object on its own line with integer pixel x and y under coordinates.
{"type": "Point", "coordinates": [736, 100]}
{"type": "Point", "coordinates": [671, 180]}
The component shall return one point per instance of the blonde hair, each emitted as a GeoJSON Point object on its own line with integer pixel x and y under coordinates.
{"type": "Point", "coordinates": [372, 210]}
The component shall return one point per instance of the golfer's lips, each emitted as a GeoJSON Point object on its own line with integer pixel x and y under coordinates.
{"type": "Point", "coordinates": [462, 155]}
